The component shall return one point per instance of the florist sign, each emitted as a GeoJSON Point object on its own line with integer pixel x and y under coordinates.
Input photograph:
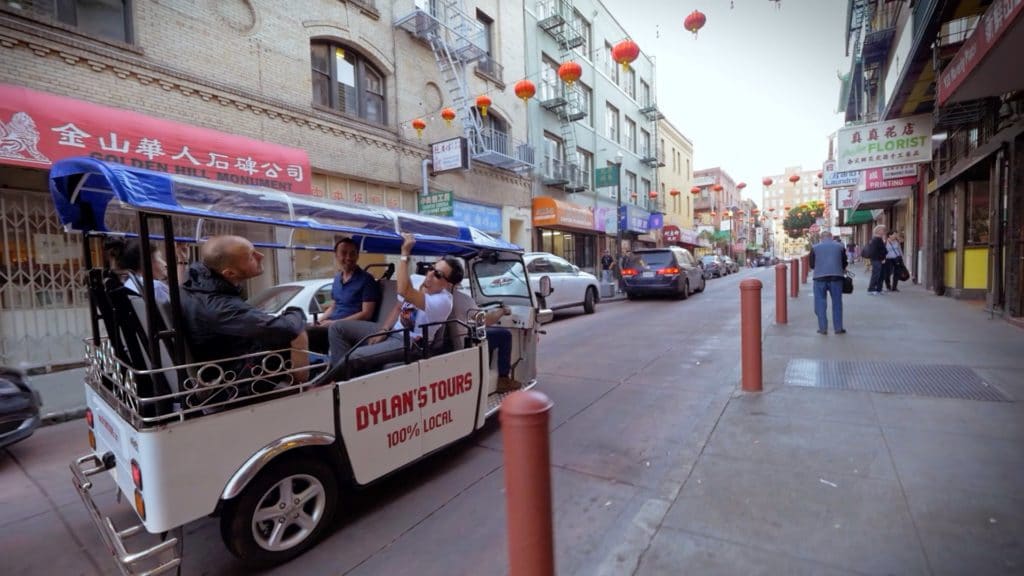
{"type": "Point", "coordinates": [890, 143]}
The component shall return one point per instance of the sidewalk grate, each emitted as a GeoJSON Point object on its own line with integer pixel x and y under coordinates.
{"type": "Point", "coordinates": [913, 379]}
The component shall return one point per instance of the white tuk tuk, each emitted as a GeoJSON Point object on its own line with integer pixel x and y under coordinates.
{"type": "Point", "coordinates": [183, 440]}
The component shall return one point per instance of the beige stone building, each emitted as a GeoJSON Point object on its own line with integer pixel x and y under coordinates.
{"type": "Point", "coordinates": [676, 180]}
{"type": "Point", "coordinates": [337, 83]}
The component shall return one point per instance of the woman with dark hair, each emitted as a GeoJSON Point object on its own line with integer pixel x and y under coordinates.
{"type": "Point", "coordinates": [124, 256]}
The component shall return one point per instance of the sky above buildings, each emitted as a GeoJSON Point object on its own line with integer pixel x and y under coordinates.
{"type": "Point", "coordinates": [756, 91]}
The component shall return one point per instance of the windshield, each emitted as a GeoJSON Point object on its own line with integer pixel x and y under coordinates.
{"type": "Point", "coordinates": [655, 259]}
{"type": "Point", "coordinates": [710, 259]}
{"type": "Point", "coordinates": [272, 300]}
{"type": "Point", "coordinates": [501, 278]}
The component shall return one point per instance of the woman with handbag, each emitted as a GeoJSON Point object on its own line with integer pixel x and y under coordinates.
{"type": "Point", "coordinates": [828, 260]}
{"type": "Point", "coordinates": [893, 269]}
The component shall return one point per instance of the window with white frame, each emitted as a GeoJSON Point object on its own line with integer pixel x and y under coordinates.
{"type": "Point", "coordinates": [645, 94]}
{"type": "Point", "coordinates": [630, 186]}
{"type": "Point", "coordinates": [630, 135]}
{"type": "Point", "coordinates": [645, 144]}
{"type": "Point", "coordinates": [586, 102]}
{"type": "Point", "coordinates": [554, 153]}
{"type": "Point", "coordinates": [611, 66]}
{"type": "Point", "coordinates": [629, 82]}
{"type": "Point", "coordinates": [549, 81]}
{"type": "Point", "coordinates": [582, 26]}
{"type": "Point", "coordinates": [611, 122]}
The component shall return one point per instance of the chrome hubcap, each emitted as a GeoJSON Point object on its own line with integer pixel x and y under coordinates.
{"type": "Point", "coordinates": [288, 512]}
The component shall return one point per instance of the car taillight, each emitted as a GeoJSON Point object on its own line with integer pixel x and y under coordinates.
{"type": "Point", "coordinates": [669, 271]}
{"type": "Point", "coordinates": [136, 475]}
{"type": "Point", "coordinates": [140, 505]}
{"type": "Point", "coordinates": [629, 272]}
{"type": "Point", "coordinates": [92, 440]}
{"type": "Point", "coordinates": [88, 417]}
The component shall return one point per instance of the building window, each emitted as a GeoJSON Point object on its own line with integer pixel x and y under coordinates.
{"type": "Point", "coordinates": [586, 103]}
{"type": "Point", "coordinates": [645, 144]}
{"type": "Point", "coordinates": [645, 190]}
{"type": "Point", "coordinates": [554, 155]}
{"type": "Point", "coordinates": [586, 164]}
{"type": "Point", "coordinates": [611, 120]}
{"type": "Point", "coordinates": [583, 26]}
{"type": "Point", "coordinates": [612, 66]}
{"type": "Point", "coordinates": [630, 134]}
{"type": "Point", "coordinates": [645, 94]}
{"type": "Point", "coordinates": [107, 19]}
{"type": "Point", "coordinates": [487, 65]}
{"type": "Point", "coordinates": [549, 84]}
{"type": "Point", "coordinates": [629, 82]}
{"type": "Point", "coordinates": [631, 186]}
{"type": "Point", "coordinates": [345, 81]}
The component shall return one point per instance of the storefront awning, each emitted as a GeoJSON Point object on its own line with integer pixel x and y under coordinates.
{"type": "Point", "coordinates": [550, 212]}
{"type": "Point", "coordinates": [854, 217]}
{"type": "Point", "coordinates": [884, 198]}
{"type": "Point", "coordinates": [988, 62]}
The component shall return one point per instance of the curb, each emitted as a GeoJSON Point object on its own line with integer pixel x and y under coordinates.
{"type": "Point", "coordinates": [62, 416]}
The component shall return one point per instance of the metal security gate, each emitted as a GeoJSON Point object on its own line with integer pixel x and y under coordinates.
{"type": "Point", "coordinates": [44, 306]}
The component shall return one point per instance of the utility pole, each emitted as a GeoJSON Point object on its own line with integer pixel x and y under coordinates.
{"type": "Point", "coordinates": [619, 220]}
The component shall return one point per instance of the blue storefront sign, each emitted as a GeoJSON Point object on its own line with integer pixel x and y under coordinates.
{"type": "Point", "coordinates": [634, 219]}
{"type": "Point", "coordinates": [656, 221]}
{"type": "Point", "coordinates": [486, 218]}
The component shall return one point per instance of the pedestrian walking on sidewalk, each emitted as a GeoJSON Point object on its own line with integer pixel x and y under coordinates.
{"type": "Point", "coordinates": [875, 251]}
{"type": "Point", "coordinates": [828, 260]}
{"type": "Point", "coordinates": [893, 262]}
{"type": "Point", "coordinates": [607, 263]}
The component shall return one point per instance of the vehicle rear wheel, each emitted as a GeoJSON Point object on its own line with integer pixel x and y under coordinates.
{"type": "Point", "coordinates": [590, 300]}
{"type": "Point", "coordinates": [703, 284]}
{"type": "Point", "coordinates": [282, 513]}
{"type": "Point", "coordinates": [686, 290]}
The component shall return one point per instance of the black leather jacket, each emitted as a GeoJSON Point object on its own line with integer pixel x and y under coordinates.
{"type": "Point", "coordinates": [221, 324]}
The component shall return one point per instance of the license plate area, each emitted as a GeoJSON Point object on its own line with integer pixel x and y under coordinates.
{"type": "Point", "coordinates": [647, 274]}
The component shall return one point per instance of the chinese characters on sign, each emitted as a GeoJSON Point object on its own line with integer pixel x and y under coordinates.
{"type": "Point", "coordinates": [890, 143]}
{"type": "Point", "coordinates": [450, 155]}
{"type": "Point", "coordinates": [486, 218]}
{"type": "Point", "coordinates": [41, 128]}
{"type": "Point", "coordinates": [436, 203]}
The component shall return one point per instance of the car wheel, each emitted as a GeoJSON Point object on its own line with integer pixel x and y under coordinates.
{"type": "Point", "coordinates": [703, 284]}
{"type": "Point", "coordinates": [590, 300]}
{"type": "Point", "coordinates": [686, 290]}
{"type": "Point", "coordinates": [282, 513]}
{"type": "Point", "coordinates": [631, 295]}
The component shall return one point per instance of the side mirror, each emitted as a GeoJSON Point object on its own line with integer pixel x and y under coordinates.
{"type": "Point", "coordinates": [315, 309]}
{"type": "Point", "coordinates": [576, 269]}
{"type": "Point", "coordinates": [545, 287]}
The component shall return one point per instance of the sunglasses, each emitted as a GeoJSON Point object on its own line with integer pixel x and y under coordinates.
{"type": "Point", "coordinates": [437, 274]}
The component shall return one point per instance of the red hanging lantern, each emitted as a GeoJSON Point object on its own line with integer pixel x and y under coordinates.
{"type": "Point", "coordinates": [695, 190]}
{"type": "Point", "coordinates": [570, 72]}
{"type": "Point", "coordinates": [419, 125]}
{"type": "Point", "coordinates": [766, 181]}
{"type": "Point", "coordinates": [712, 213]}
{"type": "Point", "coordinates": [794, 178]}
{"type": "Point", "coordinates": [786, 208]}
{"type": "Point", "coordinates": [771, 209]}
{"type": "Point", "coordinates": [652, 194]}
{"type": "Point", "coordinates": [674, 192]}
{"type": "Point", "coordinates": [525, 89]}
{"type": "Point", "coordinates": [448, 114]}
{"type": "Point", "coordinates": [625, 52]}
{"type": "Point", "coordinates": [632, 195]}
{"type": "Point", "coordinates": [741, 185]}
{"type": "Point", "coordinates": [483, 102]}
{"type": "Point", "coordinates": [694, 22]}
{"type": "Point", "coordinates": [717, 187]}
{"type": "Point", "coordinates": [819, 175]}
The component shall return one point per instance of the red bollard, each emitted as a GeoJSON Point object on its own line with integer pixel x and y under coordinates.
{"type": "Point", "coordinates": [524, 431]}
{"type": "Point", "coordinates": [750, 334]}
{"type": "Point", "coordinates": [781, 312]}
{"type": "Point", "coordinates": [794, 278]}
{"type": "Point", "coordinates": [805, 267]}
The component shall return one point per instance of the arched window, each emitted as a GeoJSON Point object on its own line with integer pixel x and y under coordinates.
{"type": "Point", "coordinates": [345, 81]}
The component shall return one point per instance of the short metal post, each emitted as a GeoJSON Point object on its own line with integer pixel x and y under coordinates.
{"type": "Point", "coordinates": [781, 312]}
{"type": "Point", "coordinates": [524, 430]}
{"type": "Point", "coordinates": [794, 278]}
{"type": "Point", "coordinates": [750, 334]}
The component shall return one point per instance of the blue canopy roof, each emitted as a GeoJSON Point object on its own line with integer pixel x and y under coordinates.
{"type": "Point", "coordinates": [85, 190]}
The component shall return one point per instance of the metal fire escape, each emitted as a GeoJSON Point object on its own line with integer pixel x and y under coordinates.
{"type": "Point", "coordinates": [457, 40]}
{"type": "Point", "coordinates": [654, 156]}
{"type": "Point", "coordinates": [567, 104]}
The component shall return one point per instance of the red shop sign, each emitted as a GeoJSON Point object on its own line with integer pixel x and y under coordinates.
{"type": "Point", "coordinates": [37, 129]}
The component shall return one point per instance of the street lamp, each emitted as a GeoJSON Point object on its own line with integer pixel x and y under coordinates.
{"type": "Point", "coordinates": [618, 206]}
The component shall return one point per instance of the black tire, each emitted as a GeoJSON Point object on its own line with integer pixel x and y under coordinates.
{"type": "Point", "coordinates": [237, 525]}
{"type": "Point", "coordinates": [590, 300]}
{"type": "Point", "coordinates": [686, 290]}
{"type": "Point", "coordinates": [703, 284]}
{"type": "Point", "coordinates": [631, 295]}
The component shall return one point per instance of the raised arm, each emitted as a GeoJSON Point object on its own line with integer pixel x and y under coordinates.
{"type": "Point", "coordinates": [405, 288]}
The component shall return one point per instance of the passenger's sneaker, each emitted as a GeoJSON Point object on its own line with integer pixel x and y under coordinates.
{"type": "Point", "coordinates": [506, 384]}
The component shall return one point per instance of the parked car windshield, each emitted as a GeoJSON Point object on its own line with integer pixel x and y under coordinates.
{"type": "Point", "coordinates": [655, 259]}
{"type": "Point", "coordinates": [710, 259]}
{"type": "Point", "coordinates": [501, 278]}
{"type": "Point", "coordinates": [273, 299]}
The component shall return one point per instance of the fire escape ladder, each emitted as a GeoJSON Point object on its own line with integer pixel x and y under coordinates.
{"type": "Point", "coordinates": [453, 78]}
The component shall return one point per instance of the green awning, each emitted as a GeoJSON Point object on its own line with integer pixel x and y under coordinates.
{"type": "Point", "coordinates": [858, 217]}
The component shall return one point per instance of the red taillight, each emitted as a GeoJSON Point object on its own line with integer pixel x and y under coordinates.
{"type": "Point", "coordinates": [668, 271]}
{"type": "Point", "coordinates": [88, 417]}
{"type": "Point", "coordinates": [628, 272]}
{"type": "Point", "coordinates": [136, 475]}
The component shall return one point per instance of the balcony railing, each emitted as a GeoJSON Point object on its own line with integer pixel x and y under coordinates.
{"type": "Point", "coordinates": [579, 179]}
{"type": "Point", "coordinates": [490, 68]}
{"type": "Point", "coordinates": [500, 150]}
{"type": "Point", "coordinates": [463, 35]}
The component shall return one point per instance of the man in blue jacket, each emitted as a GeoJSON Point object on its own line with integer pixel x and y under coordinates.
{"type": "Point", "coordinates": [828, 260]}
{"type": "Point", "coordinates": [222, 325]}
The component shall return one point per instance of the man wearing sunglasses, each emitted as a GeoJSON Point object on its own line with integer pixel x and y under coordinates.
{"type": "Point", "coordinates": [429, 304]}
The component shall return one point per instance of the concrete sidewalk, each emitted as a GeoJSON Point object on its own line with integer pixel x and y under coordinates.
{"type": "Point", "coordinates": [805, 479]}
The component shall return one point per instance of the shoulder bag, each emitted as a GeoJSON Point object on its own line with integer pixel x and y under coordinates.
{"type": "Point", "coordinates": [848, 283]}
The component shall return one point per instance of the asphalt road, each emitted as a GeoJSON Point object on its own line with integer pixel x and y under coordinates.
{"type": "Point", "coordinates": [637, 389]}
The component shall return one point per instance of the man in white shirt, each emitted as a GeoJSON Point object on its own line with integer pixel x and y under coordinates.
{"type": "Point", "coordinates": [429, 304]}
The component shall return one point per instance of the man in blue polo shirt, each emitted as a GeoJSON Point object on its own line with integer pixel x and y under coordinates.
{"type": "Point", "coordinates": [355, 294]}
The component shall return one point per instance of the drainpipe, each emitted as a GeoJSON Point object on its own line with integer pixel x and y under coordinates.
{"type": "Point", "coordinates": [425, 174]}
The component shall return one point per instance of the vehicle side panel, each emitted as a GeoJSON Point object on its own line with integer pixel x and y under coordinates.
{"type": "Point", "coordinates": [391, 418]}
{"type": "Point", "coordinates": [186, 465]}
